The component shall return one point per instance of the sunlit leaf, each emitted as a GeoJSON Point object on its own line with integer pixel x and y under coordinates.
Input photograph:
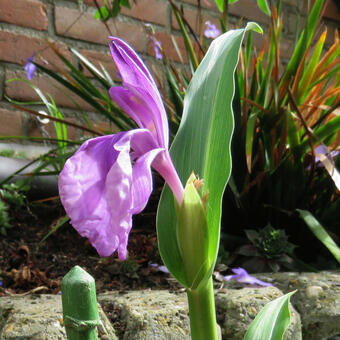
{"type": "Point", "coordinates": [272, 321]}
{"type": "Point", "coordinates": [319, 231]}
{"type": "Point", "coordinates": [204, 137]}
{"type": "Point", "coordinates": [263, 4]}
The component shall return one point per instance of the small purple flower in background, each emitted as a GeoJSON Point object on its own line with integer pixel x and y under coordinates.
{"type": "Point", "coordinates": [157, 47]}
{"type": "Point", "coordinates": [241, 275]}
{"type": "Point", "coordinates": [325, 159]}
{"type": "Point", "coordinates": [1, 283]}
{"type": "Point", "coordinates": [160, 268]}
{"type": "Point", "coordinates": [211, 31]}
{"type": "Point", "coordinates": [109, 178]}
{"type": "Point", "coordinates": [322, 150]}
{"type": "Point", "coordinates": [30, 68]}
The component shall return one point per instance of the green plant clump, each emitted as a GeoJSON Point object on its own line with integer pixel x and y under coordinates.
{"type": "Point", "coordinates": [13, 196]}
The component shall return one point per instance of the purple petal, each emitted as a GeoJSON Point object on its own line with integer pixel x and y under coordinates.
{"type": "Point", "coordinates": [142, 180]}
{"type": "Point", "coordinates": [163, 269]}
{"type": "Point", "coordinates": [164, 166]}
{"type": "Point", "coordinates": [157, 47]}
{"type": "Point", "coordinates": [138, 80]}
{"type": "Point", "coordinates": [211, 31]}
{"type": "Point", "coordinates": [100, 188]}
{"type": "Point", "coordinates": [30, 68]}
{"type": "Point", "coordinates": [134, 106]}
{"type": "Point", "coordinates": [241, 275]}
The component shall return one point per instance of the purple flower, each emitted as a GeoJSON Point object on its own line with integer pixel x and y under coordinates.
{"type": "Point", "coordinates": [160, 268]}
{"type": "Point", "coordinates": [211, 31]}
{"type": "Point", "coordinates": [241, 275]}
{"type": "Point", "coordinates": [322, 150]}
{"type": "Point", "coordinates": [109, 178]}
{"type": "Point", "coordinates": [157, 47]}
{"type": "Point", "coordinates": [30, 68]}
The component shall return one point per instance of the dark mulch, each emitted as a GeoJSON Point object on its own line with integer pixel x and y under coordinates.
{"type": "Point", "coordinates": [27, 265]}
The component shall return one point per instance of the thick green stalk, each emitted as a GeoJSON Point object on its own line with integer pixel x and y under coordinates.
{"type": "Point", "coordinates": [202, 312]}
{"type": "Point", "coordinates": [80, 311]}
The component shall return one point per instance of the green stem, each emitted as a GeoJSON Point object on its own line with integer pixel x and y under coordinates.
{"type": "Point", "coordinates": [202, 312]}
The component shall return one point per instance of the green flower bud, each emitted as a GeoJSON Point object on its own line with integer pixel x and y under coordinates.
{"type": "Point", "coordinates": [192, 234]}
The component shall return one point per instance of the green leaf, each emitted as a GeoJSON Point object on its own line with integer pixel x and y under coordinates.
{"type": "Point", "coordinates": [102, 14]}
{"type": "Point", "coordinates": [263, 4]}
{"type": "Point", "coordinates": [304, 40]}
{"type": "Point", "coordinates": [319, 231]}
{"type": "Point", "coordinates": [125, 3]}
{"type": "Point", "coordinates": [250, 131]}
{"type": "Point", "coordinates": [272, 321]}
{"type": "Point", "coordinates": [202, 144]}
{"type": "Point", "coordinates": [187, 41]}
{"type": "Point", "coordinates": [220, 4]}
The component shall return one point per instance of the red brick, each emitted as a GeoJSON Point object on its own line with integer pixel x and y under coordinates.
{"type": "Point", "coordinates": [154, 11]}
{"type": "Point", "coordinates": [10, 123]}
{"type": "Point", "coordinates": [71, 23]}
{"type": "Point", "coordinates": [332, 11]}
{"type": "Point", "coordinates": [92, 3]}
{"type": "Point", "coordinates": [16, 48]}
{"type": "Point", "coordinates": [37, 129]}
{"type": "Point", "coordinates": [248, 9]}
{"type": "Point", "coordinates": [23, 92]}
{"type": "Point", "coordinates": [157, 72]}
{"type": "Point", "coordinates": [27, 13]}
{"type": "Point", "coordinates": [168, 47]}
{"type": "Point", "coordinates": [192, 17]}
{"type": "Point", "coordinates": [211, 4]}
{"type": "Point", "coordinates": [104, 127]}
{"type": "Point", "coordinates": [97, 58]}
{"type": "Point", "coordinates": [286, 46]}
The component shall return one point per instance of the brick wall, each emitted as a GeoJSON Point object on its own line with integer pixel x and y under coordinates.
{"type": "Point", "coordinates": [26, 24]}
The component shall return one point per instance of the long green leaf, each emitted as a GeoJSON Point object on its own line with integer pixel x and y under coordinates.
{"type": "Point", "coordinates": [272, 321]}
{"type": "Point", "coordinates": [220, 4]}
{"type": "Point", "coordinates": [250, 131]}
{"type": "Point", "coordinates": [304, 40]}
{"type": "Point", "coordinates": [202, 143]}
{"type": "Point", "coordinates": [263, 4]}
{"type": "Point", "coordinates": [319, 231]}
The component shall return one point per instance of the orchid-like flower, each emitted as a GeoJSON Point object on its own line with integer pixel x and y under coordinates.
{"type": "Point", "coordinates": [109, 178]}
{"type": "Point", "coordinates": [241, 275]}
{"type": "Point", "coordinates": [157, 46]}
{"type": "Point", "coordinates": [30, 68]}
{"type": "Point", "coordinates": [211, 31]}
{"type": "Point", "coordinates": [160, 268]}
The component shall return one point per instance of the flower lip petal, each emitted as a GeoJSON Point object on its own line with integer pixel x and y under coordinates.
{"type": "Point", "coordinates": [97, 184]}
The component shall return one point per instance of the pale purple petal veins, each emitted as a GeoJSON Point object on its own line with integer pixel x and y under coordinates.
{"type": "Point", "coordinates": [98, 184]}
{"type": "Point", "coordinates": [211, 31]}
{"type": "Point", "coordinates": [138, 80]}
{"type": "Point", "coordinates": [30, 68]}
{"type": "Point", "coordinates": [142, 180]}
{"type": "Point", "coordinates": [82, 192]}
{"type": "Point", "coordinates": [133, 106]}
{"type": "Point", "coordinates": [241, 275]}
{"type": "Point", "coordinates": [120, 50]}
